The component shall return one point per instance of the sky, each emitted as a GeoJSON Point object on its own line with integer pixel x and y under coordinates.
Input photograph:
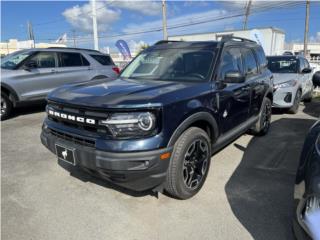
{"type": "Point", "coordinates": [140, 21]}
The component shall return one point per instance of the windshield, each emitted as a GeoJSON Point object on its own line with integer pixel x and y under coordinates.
{"type": "Point", "coordinates": [283, 65]}
{"type": "Point", "coordinates": [12, 60]}
{"type": "Point", "coordinates": [171, 65]}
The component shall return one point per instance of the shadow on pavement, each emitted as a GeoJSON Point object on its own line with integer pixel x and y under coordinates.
{"type": "Point", "coordinates": [312, 108]}
{"type": "Point", "coordinates": [261, 190]}
{"type": "Point", "coordinates": [29, 109]}
{"type": "Point", "coordinates": [85, 176]}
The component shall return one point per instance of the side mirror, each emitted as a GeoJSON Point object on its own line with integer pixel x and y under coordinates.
{"type": "Point", "coordinates": [234, 77]}
{"type": "Point", "coordinates": [30, 65]}
{"type": "Point", "coordinates": [306, 70]}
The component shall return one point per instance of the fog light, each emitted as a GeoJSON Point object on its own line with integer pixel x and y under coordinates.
{"type": "Point", "coordinates": [288, 97]}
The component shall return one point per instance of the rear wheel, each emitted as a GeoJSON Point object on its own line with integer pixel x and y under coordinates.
{"type": "Point", "coordinates": [189, 164]}
{"type": "Point", "coordinates": [294, 109]}
{"type": "Point", "coordinates": [6, 106]}
{"type": "Point", "coordinates": [262, 126]}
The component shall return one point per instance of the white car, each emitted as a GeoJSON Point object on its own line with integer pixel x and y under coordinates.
{"type": "Point", "coordinates": [292, 81]}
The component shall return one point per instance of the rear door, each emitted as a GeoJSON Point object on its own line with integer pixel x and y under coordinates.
{"type": "Point", "coordinates": [254, 79]}
{"type": "Point", "coordinates": [234, 97]}
{"type": "Point", "coordinates": [73, 67]}
{"type": "Point", "coordinates": [35, 83]}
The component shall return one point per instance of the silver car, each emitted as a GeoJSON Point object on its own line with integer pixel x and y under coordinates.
{"type": "Point", "coordinates": [29, 75]}
{"type": "Point", "coordinates": [292, 81]}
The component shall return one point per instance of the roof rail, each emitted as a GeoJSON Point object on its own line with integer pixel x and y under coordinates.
{"type": "Point", "coordinates": [226, 38]}
{"type": "Point", "coordinates": [165, 41]}
{"type": "Point", "coordinates": [68, 48]}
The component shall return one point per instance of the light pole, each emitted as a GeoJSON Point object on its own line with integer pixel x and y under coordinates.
{"type": "Point", "coordinates": [306, 29]}
{"type": "Point", "coordinates": [164, 20]}
{"type": "Point", "coordinates": [94, 25]}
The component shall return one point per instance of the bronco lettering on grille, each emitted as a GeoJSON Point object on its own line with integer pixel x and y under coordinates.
{"type": "Point", "coordinates": [71, 117]}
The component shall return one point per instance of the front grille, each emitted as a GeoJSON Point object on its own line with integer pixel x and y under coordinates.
{"type": "Point", "coordinates": [82, 113]}
{"type": "Point", "coordinates": [70, 138]}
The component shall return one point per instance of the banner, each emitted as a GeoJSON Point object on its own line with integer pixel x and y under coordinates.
{"type": "Point", "coordinates": [124, 49]}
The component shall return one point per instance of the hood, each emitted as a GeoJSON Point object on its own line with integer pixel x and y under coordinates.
{"type": "Point", "coordinates": [122, 93]}
{"type": "Point", "coordinates": [284, 77]}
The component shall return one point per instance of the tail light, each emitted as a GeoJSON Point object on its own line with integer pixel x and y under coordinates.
{"type": "Point", "coordinates": [116, 70]}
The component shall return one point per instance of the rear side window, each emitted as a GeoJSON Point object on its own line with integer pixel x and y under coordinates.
{"type": "Point", "coordinates": [103, 59]}
{"type": "Point", "coordinates": [262, 61]}
{"type": "Point", "coordinates": [44, 59]}
{"type": "Point", "coordinates": [231, 62]}
{"type": "Point", "coordinates": [250, 64]}
{"type": "Point", "coordinates": [72, 60]}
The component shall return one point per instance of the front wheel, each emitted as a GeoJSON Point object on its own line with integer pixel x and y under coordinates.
{"type": "Point", "coordinates": [6, 106]}
{"type": "Point", "coordinates": [189, 164]}
{"type": "Point", "coordinates": [309, 96]}
{"type": "Point", "coordinates": [294, 109]}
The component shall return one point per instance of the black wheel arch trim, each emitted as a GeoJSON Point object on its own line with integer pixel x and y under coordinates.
{"type": "Point", "coordinates": [200, 116]}
{"type": "Point", "coordinates": [13, 94]}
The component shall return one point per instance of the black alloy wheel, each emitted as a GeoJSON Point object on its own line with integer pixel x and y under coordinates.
{"type": "Point", "coordinates": [189, 163]}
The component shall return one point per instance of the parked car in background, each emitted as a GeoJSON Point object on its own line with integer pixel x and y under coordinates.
{"type": "Point", "coordinates": [307, 219]}
{"type": "Point", "coordinates": [316, 79]}
{"type": "Point", "coordinates": [31, 74]}
{"type": "Point", "coordinates": [182, 102]}
{"type": "Point", "coordinates": [292, 81]}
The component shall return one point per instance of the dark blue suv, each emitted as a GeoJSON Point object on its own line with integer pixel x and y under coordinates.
{"type": "Point", "coordinates": [157, 126]}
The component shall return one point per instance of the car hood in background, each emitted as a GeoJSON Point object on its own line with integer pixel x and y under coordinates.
{"type": "Point", "coordinates": [284, 77]}
{"type": "Point", "coordinates": [127, 93]}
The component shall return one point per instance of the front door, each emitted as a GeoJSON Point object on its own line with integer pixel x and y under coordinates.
{"type": "Point", "coordinates": [34, 83]}
{"type": "Point", "coordinates": [234, 98]}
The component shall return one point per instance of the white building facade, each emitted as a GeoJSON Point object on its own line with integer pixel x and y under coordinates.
{"type": "Point", "coordinates": [271, 39]}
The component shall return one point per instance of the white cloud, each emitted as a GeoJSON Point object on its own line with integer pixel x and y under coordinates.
{"type": "Point", "coordinates": [80, 16]}
{"type": "Point", "coordinates": [316, 38]}
{"type": "Point", "coordinates": [149, 8]}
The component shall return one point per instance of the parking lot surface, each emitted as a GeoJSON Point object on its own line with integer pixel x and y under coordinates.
{"type": "Point", "coordinates": [248, 193]}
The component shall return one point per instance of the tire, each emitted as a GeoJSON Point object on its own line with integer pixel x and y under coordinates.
{"type": "Point", "coordinates": [309, 97]}
{"type": "Point", "coordinates": [6, 106]}
{"type": "Point", "coordinates": [297, 99]}
{"type": "Point", "coordinates": [181, 182]}
{"type": "Point", "coordinates": [262, 126]}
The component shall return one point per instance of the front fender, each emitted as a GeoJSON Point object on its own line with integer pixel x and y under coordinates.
{"type": "Point", "coordinates": [199, 116]}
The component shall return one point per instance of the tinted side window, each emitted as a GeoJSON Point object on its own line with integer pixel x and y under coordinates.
{"type": "Point", "coordinates": [103, 59]}
{"type": "Point", "coordinates": [250, 64]}
{"type": "Point", "coordinates": [306, 64]}
{"type": "Point", "coordinates": [84, 61]}
{"type": "Point", "coordinates": [72, 60]}
{"type": "Point", "coordinates": [44, 59]}
{"type": "Point", "coordinates": [231, 61]}
{"type": "Point", "coordinates": [261, 58]}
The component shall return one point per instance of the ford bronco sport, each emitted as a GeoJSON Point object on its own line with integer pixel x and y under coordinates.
{"type": "Point", "coordinates": [157, 126]}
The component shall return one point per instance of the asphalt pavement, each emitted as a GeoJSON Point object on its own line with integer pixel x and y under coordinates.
{"type": "Point", "coordinates": [248, 193]}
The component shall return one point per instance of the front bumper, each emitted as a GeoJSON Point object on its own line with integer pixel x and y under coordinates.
{"type": "Point", "coordinates": [284, 97]}
{"type": "Point", "coordinates": [136, 171]}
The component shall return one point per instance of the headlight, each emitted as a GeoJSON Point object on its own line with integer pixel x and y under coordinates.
{"type": "Point", "coordinates": [290, 83]}
{"type": "Point", "coordinates": [134, 124]}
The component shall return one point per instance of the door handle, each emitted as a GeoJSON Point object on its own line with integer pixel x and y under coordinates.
{"type": "Point", "coordinates": [53, 71]}
{"type": "Point", "coordinates": [247, 88]}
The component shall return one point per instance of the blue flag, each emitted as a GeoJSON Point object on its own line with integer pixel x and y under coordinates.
{"type": "Point", "coordinates": [124, 49]}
